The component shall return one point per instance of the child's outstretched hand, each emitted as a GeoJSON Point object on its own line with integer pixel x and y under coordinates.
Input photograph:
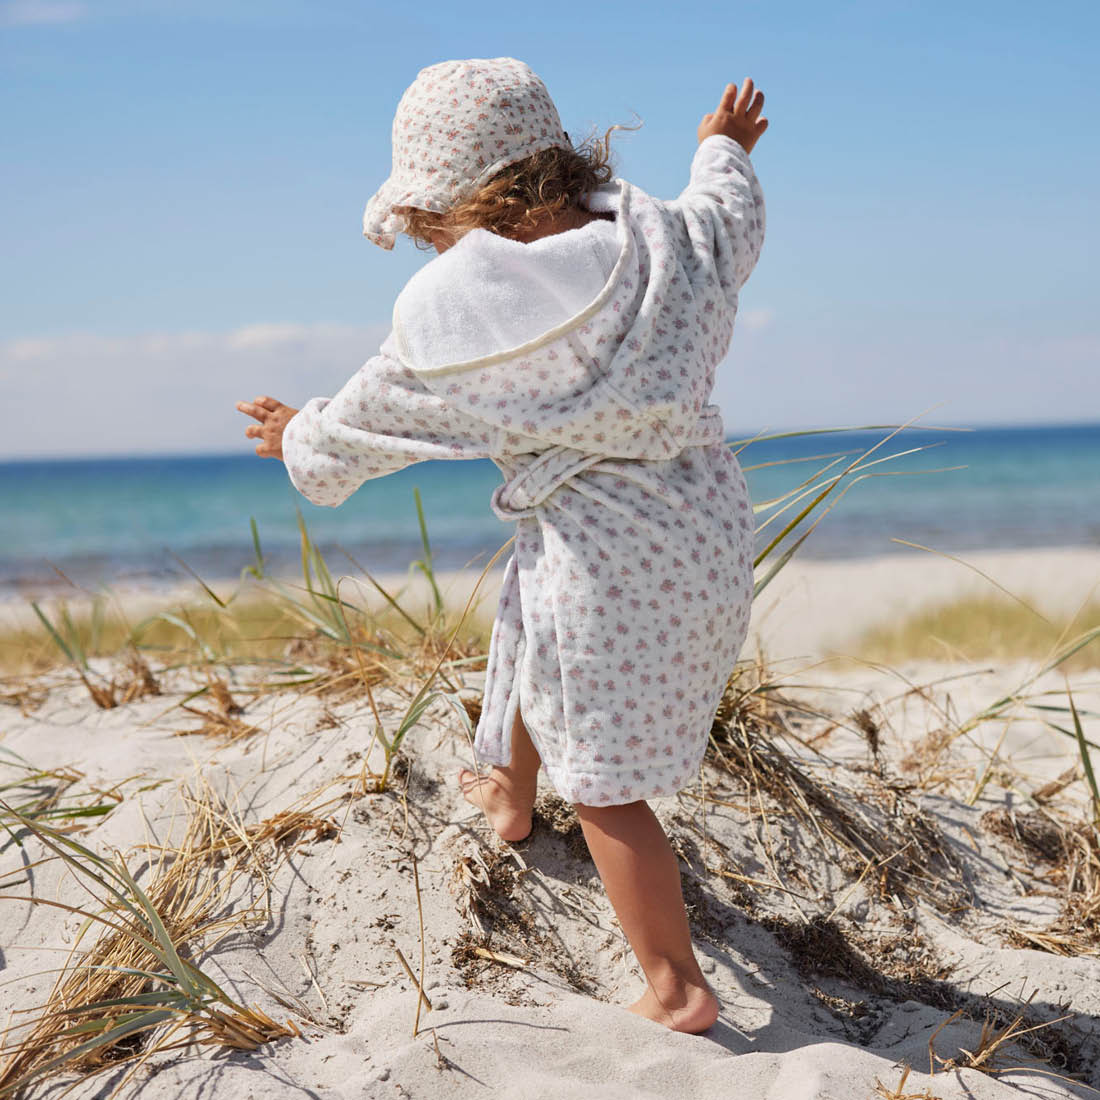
{"type": "Point", "coordinates": [737, 116]}
{"type": "Point", "coordinates": [273, 417]}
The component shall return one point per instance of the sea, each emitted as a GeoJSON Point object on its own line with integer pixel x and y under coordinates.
{"type": "Point", "coordinates": [148, 522]}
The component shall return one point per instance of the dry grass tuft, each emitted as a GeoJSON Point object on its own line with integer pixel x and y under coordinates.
{"type": "Point", "coordinates": [897, 1093]}
{"type": "Point", "coordinates": [981, 628]}
{"type": "Point", "coordinates": [897, 849]}
{"type": "Point", "coordinates": [222, 719]}
{"type": "Point", "coordinates": [137, 988]}
{"type": "Point", "coordinates": [994, 1045]}
{"type": "Point", "coordinates": [1071, 851]}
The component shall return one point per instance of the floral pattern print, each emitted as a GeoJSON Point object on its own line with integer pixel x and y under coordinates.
{"type": "Point", "coordinates": [457, 124]}
{"type": "Point", "coordinates": [626, 601]}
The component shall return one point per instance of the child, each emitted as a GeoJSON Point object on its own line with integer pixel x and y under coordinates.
{"type": "Point", "coordinates": [570, 330]}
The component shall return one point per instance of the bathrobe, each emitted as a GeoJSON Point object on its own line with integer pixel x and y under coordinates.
{"type": "Point", "coordinates": [582, 364]}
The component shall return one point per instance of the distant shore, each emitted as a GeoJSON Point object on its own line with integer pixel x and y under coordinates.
{"type": "Point", "coordinates": [811, 608]}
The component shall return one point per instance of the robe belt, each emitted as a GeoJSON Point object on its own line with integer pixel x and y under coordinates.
{"type": "Point", "coordinates": [530, 480]}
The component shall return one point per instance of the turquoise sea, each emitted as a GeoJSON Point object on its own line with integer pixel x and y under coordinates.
{"type": "Point", "coordinates": [131, 520]}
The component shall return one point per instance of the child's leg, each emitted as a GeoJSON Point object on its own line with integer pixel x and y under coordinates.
{"type": "Point", "coordinates": [642, 878]}
{"type": "Point", "coordinates": [507, 794]}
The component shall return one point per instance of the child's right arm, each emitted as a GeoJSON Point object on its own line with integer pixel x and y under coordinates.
{"type": "Point", "coordinates": [382, 420]}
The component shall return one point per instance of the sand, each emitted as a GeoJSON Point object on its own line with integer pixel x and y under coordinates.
{"type": "Point", "coordinates": [828, 984]}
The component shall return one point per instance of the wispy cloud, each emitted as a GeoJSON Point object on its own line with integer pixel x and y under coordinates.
{"type": "Point", "coordinates": [30, 13]}
{"type": "Point", "coordinates": [170, 392]}
{"type": "Point", "coordinates": [755, 319]}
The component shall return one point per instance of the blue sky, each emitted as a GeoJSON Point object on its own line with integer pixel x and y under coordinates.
{"type": "Point", "coordinates": [182, 185]}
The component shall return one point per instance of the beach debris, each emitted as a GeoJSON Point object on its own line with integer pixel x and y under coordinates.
{"type": "Point", "coordinates": [423, 997]}
{"type": "Point", "coordinates": [500, 957]}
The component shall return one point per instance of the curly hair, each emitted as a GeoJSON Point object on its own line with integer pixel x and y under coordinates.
{"type": "Point", "coordinates": [520, 194]}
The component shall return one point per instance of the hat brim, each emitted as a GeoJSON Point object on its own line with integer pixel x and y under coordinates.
{"type": "Point", "coordinates": [381, 225]}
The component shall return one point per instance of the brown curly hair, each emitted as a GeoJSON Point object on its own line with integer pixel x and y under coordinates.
{"type": "Point", "coordinates": [521, 194]}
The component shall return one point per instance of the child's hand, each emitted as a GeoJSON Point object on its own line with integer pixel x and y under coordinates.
{"type": "Point", "coordinates": [273, 417]}
{"type": "Point", "coordinates": [737, 116]}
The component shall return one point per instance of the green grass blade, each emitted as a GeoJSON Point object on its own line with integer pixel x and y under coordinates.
{"type": "Point", "coordinates": [136, 1023]}
{"type": "Point", "coordinates": [57, 639]}
{"type": "Point", "coordinates": [426, 563]}
{"type": "Point", "coordinates": [257, 570]}
{"type": "Point", "coordinates": [73, 635]}
{"type": "Point", "coordinates": [1086, 762]}
{"type": "Point", "coordinates": [205, 587]}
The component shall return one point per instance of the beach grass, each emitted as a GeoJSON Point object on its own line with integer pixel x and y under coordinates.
{"type": "Point", "coordinates": [979, 628]}
{"type": "Point", "coordinates": [131, 985]}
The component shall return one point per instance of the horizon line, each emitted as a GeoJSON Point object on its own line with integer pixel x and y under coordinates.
{"type": "Point", "coordinates": [120, 456]}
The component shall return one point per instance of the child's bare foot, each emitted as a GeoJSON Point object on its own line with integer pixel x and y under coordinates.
{"type": "Point", "coordinates": [507, 801]}
{"type": "Point", "coordinates": [691, 1009]}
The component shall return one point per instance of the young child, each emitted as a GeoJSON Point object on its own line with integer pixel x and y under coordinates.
{"type": "Point", "coordinates": [570, 330]}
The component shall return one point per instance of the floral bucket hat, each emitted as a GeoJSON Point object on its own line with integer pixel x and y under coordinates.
{"type": "Point", "coordinates": [456, 126]}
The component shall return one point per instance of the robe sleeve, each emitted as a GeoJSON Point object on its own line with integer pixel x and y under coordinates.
{"type": "Point", "coordinates": [723, 212]}
{"type": "Point", "coordinates": [381, 421]}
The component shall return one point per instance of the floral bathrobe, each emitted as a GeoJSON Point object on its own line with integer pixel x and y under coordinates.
{"type": "Point", "coordinates": [581, 364]}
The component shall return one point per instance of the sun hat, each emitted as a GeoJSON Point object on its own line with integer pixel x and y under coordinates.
{"type": "Point", "coordinates": [457, 125]}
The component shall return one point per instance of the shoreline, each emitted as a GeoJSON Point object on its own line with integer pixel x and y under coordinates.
{"type": "Point", "coordinates": [813, 607]}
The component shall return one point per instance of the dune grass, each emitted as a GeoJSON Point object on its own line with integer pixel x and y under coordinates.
{"type": "Point", "coordinates": [132, 984]}
{"type": "Point", "coordinates": [978, 628]}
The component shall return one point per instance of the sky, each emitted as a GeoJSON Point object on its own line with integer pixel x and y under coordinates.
{"type": "Point", "coordinates": [182, 183]}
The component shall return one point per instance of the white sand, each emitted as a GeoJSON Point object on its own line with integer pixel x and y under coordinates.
{"type": "Point", "coordinates": [341, 906]}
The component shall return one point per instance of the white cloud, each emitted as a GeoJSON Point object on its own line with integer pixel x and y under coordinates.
{"type": "Point", "coordinates": [28, 13]}
{"type": "Point", "coordinates": [168, 392]}
{"type": "Point", "coordinates": [174, 392]}
{"type": "Point", "coordinates": [753, 320]}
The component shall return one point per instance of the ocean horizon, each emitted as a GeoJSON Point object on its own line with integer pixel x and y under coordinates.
{"type": "Point", "coordinates": [134, 519]}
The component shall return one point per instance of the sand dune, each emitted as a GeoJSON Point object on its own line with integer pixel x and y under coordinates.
{"type": "Point", "coordinates": [886, 866]}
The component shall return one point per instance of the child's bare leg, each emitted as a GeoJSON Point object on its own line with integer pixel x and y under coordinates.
{"type": "Point", "coordinates": [507, 794]}
{"type": "Point", "coordinates": [642, 878]}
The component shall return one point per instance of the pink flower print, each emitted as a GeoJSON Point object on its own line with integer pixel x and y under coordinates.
{"type": "Point", "coordinates": [633, 741]}
{"type": "Point", "coordinates": [626, 668]}
{"type": "Point", "coordinates": [616, 759]}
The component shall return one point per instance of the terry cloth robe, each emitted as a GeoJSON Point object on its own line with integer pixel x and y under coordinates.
{"type": "Point", "coordinates": [582, 364]}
